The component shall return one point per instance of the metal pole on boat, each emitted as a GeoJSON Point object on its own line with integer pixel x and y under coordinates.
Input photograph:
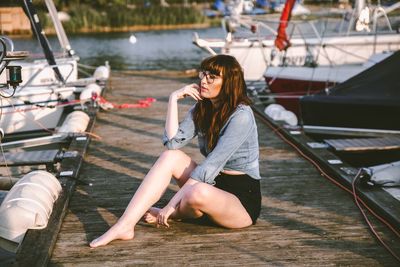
{"type": "Point", "coordinates": [62, 37]}
{"type": "Point", "coordinates": [39, 141]}
{"type": "Point", "coordinates": [37, 29]}
{"type": "Point", "coordinates": [358, 6]}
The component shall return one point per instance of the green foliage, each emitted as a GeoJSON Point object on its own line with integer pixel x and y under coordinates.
{"type": "Point", "coordinates": [85, 17]}
{"type": "Point", "coordinates": [61, 4]}
{"type": "Point", "coordinates": [94, 14]}
{"type": "Point", "coordinates": [44, 19]}
{"type": "Point", "coordinates": [154, 16]}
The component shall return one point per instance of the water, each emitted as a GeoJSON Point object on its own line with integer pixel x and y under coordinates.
{"type": "Point", "coordinates": [154, 50]}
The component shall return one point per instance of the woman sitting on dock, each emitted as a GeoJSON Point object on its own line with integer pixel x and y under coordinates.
{"type": "Point", "coordinates": [225, 187]}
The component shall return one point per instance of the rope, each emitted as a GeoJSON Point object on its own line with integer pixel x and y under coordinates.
{"type": "Point", "coordinates": [105, 104]}
{"type": "Point", "coordinates": [37, 106]}
{"type": "Point", "coordinates": [5, 162]}
{"type": "Point", "coordinates": [102, 102]}
{"type": "Point", "coordinates": [21, 112]}
{"type": "Point", "coordinates": [86, 73]}
{"type": "Point", "coordinates": [277, 130]}
{"type": "Point", "coordinates": [356, 200]}
{"type": "Point", "coordinates": [86, 66]}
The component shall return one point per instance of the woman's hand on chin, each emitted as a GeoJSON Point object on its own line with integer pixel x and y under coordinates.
{"type": "Point", "coordinates": [191, 90]}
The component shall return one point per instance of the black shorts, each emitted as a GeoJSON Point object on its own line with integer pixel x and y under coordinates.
{"type": "Point", "coordinates": [245, 188]}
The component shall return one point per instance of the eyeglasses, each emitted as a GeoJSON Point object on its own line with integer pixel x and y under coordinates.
{"type": "Point", "coordinates": [209, 77]}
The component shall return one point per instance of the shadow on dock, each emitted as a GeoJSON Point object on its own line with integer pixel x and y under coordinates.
{"type": "Point", "coordinates": [305, 220]}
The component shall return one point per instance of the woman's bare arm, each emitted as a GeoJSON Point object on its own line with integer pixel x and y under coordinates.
{"type": "Point", "coordinates": [172, 121]}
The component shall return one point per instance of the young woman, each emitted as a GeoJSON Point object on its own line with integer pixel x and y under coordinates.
{"type": "Point", "coordinates": [225, 187]}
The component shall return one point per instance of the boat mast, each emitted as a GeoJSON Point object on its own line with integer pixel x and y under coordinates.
{"type": "Point", "coordinates": [30, 11]}
{"type": "Point", "coordinates": [62, 37]}
{"type": "Point", "coordinates": [358, 6]}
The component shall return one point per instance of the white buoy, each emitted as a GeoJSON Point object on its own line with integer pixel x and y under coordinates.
{"type": "Point", "coordinates": [273, 109]}
{"type": "Point", "coordinates": [75, 122]}
{"type": "Point", "coordinates": [102, 73]}
{"type": "Point", "coordinates": [89, 90]}
{"type": "Point", "coordinates": [286, 116]}
{"type": "Point", "coordinates": [28, 205]}
{"type": "Point", "coordinates": [132, 39]}
{"type": "Point", "coordinates": [279, 113]}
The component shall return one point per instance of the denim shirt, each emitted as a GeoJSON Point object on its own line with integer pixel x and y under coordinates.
{"type": "Point", "coordinates": [237, 147]}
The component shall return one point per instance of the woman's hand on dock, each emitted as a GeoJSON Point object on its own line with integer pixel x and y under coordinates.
{"type": "Point", "coordinates": [192, 90]}
{"type": "Point", "coordinates": [163, 215]}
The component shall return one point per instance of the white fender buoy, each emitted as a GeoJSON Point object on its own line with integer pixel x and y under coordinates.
{"type": "Point", "coordinates": [272, 110]}
{"type": "Point", "coordinates": [279, 113]}
{"type": "Point", "coordinates": [102, 73]}
{"type": "Point", "coordinates": [75, 122]}
{"type": "Point", "coordinates": [28, 205]}
{"type": "Point", "coordinates": [287, 116]}
{"type": "Point", "coordinates": [87, 93]}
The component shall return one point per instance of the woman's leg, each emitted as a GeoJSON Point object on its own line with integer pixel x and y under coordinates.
{"type": "Point", "coordinates": [171, 163]}
{"type": "Point", "coordinates": [222, 207]}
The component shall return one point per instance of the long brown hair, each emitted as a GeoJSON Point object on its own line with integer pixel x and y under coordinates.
{"type": "Point", "coordinates": [210, 119]}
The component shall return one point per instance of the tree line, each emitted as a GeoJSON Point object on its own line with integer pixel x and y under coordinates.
{"type": "Point", "coordinates": [103, 15]}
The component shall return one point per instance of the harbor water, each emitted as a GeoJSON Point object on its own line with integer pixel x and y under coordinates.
{"type": "Point", "coordinates": [153, 50]}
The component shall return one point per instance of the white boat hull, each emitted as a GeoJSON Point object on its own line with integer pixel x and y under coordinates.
{"type": "Point", "coordinates": [255, 55]}
{"type": "Point", "coordinates": [34, 108]}
{"type": "Point", "coordinates": [288, 83]}
{"type": "Point", "coordinates": [38, 72]}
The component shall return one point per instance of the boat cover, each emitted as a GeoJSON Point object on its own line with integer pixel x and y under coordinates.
{"type": "Point", "coordinates": [384, 175]}
{"type": "Point", "coordinates": [369, 100]}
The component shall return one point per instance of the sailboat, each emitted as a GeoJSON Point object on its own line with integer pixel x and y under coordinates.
{"type": "Point", "coordinates": [368, 103]}
{"type": "Point", "coordinates": [311, 43]}
{"type": "Point", "coordinates": [47, 86]}
{"type": "Point", "coordinates": [288, 83]}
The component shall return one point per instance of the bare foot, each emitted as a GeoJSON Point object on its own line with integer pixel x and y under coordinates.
{"type": "Point", "coordinates": [151, 215]}
{"type": "Point", "coordinates": [118, 231]}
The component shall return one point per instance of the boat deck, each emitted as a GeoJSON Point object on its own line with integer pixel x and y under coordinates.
{"type": "Point", "coordinates": [305, 219]}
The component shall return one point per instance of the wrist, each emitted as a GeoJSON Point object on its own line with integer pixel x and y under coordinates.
{"type": "Point", "coordinates": [169, 206]}
{"type": "Point", "coordinates": [173, 97]}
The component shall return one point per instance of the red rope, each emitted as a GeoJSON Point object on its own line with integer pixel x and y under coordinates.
{"type": "Point", "coordinates": [36, 106]}
{"type": "Point", "coordinates": [142, 103]}
{"type": "Point", "coordinates": [105, 104]}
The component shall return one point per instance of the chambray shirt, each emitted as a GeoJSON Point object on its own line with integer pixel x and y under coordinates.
{"type": "Point", "coordinates": [237, 147]}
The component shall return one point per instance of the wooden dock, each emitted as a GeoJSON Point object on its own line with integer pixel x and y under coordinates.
{"type": "Point", "coordinates": [305, 219]}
